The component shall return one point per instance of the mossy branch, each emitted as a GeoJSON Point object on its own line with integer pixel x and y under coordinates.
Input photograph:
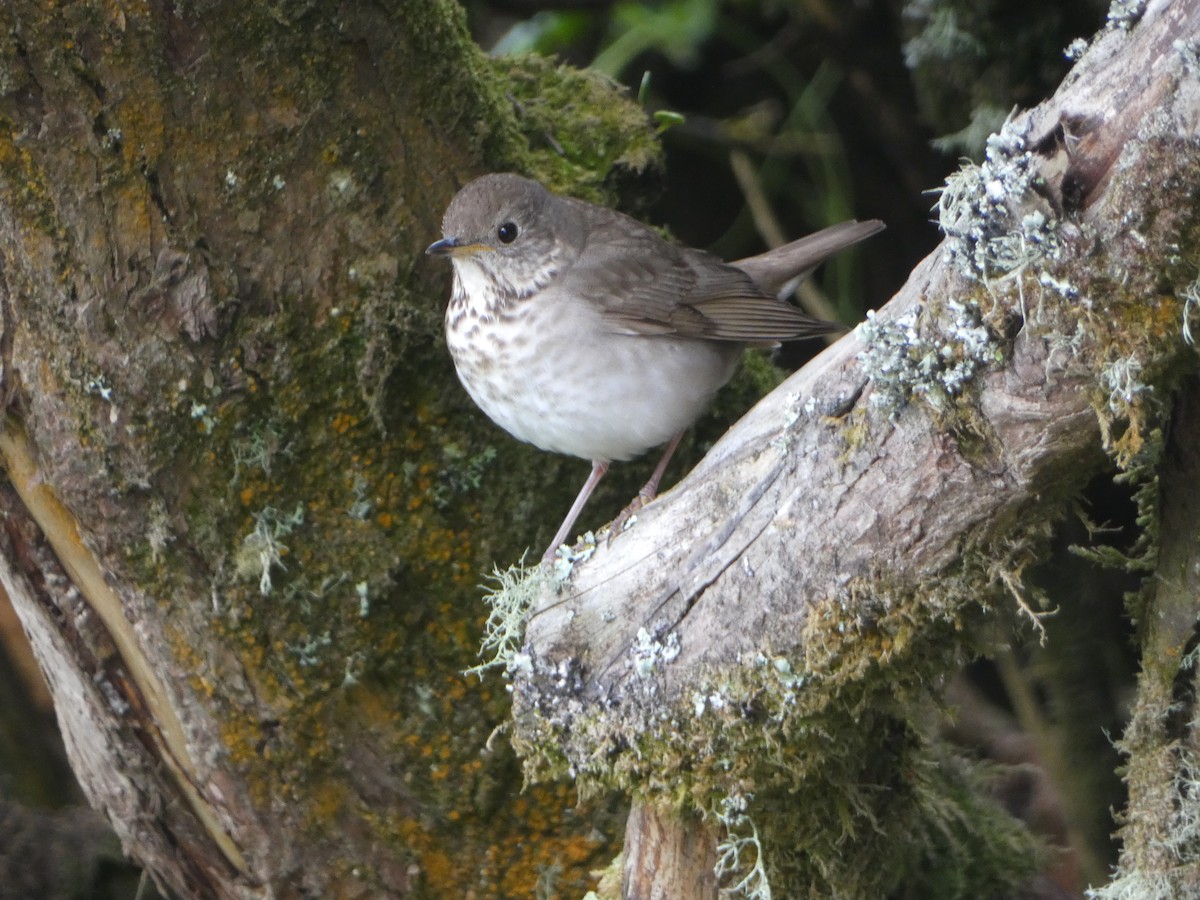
{"type": "Point", "coordinates": [836, 552]}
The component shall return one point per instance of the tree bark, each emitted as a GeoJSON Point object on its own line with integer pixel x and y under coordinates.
{"type": "Point", "coordinates": [770, 627]}
{"type": "Point", "coordinates": [1159, 855]}
{"type": "Point", "coordinates": [242, 518]}
{"type": "Point", "coordinates": [667, 859]}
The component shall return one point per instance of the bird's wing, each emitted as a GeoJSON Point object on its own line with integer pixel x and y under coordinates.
{"type": "Point", "coordinates": [643, 284]}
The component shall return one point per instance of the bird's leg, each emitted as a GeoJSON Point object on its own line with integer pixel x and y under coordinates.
{"type": "Point", "coordinates": [598, 470]}
{"type": "Point", "coordinates": [648, 492]}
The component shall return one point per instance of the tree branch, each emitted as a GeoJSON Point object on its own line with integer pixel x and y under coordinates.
{"type": "Point", "coordinates": [830, 553]}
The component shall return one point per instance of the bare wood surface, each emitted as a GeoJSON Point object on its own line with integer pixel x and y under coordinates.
{"type": "Point", "coordinates": [666, 857]}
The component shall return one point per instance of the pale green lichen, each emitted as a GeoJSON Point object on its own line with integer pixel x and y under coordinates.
{"type": "Point", "coordinates": [1074, 51]}
{"type": "Point", "coordinates": [1190, 296]}
{"type": "Point", "coordinates": [650, 651]}
{"type": "Point", "coordinates": [262, 550]}
{"type": "Point", "coordinates": [308, 652]}
{"type": "Point", "coordinates": [933, 358]}
{"type": "Point", "coordinates": [1124, 14]}
{"type": "Point", "coordinates": [1189, 53]}
{"type": "Point", "coordinates": [740, 853]}
{"type": "Point", "coordinates": [257, 452]}
{"type": "Point", "coordinates": [511, 596]}
{"type": "Point", "coordinates": [1124, 379]}
{"type": "Point", "coordinates": [362, 505]}
{"type": "Point", "coordinates": [1177, 851]}
{"type": "Point", "coordinates": [995, 223]}
{"type": "Point", "coordinates": [461, 473]}
{"type": "Point", "coordinates": [567, 555]}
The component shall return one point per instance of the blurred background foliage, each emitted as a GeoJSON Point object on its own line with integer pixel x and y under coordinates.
{"type": "Point", "coordinates": [779, 117]}
{"type": "Point", "coordinates": [794, 115]}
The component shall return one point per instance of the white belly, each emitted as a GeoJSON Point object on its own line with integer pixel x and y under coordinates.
{"type": "Point", "coordinates": [554, 377]}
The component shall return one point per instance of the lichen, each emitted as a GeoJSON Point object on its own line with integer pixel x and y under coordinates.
{"type": "Point", "coordinates": [921, 355]}
{"type": "Point", "coordinates": [834, 731]}
{"type": "Point", "coordinates": [1110, 318]}
{"type": "Point", "coordinates": [262, 550]}
{"type": "Point", "coordinates": [305, 371]}
{"type": "Point", "coordinates": [1124, 14]}
{"type": "Point", "coordinates": [996, 225]}
{"type": "Point", "coordinates": [511, 597]}
{"type": "Point", "coordinates": [741, 860]}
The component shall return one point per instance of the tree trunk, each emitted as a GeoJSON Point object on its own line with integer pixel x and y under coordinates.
{"type": "Point", "coordinates": [667, 858]}
{"type": "Point", "coordinates": [1160, 857]}
{"type": "Point", "coordinates": [768, 632]}
{"type": "Point", "coordinates": [242, 514]}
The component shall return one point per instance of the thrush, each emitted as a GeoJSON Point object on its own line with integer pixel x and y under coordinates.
{"type": "Point", "coordinates": [581, 331]}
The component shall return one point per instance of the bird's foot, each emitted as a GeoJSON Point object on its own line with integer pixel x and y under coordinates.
{"type": "Point", "coordinates": [627, 515]}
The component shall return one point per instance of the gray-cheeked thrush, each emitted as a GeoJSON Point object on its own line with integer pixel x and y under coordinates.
{"type": "Point", "coordinates": [579, 330]}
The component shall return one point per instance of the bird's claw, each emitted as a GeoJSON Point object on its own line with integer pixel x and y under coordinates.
{"type": "Point", "coordinates": [626, 518]}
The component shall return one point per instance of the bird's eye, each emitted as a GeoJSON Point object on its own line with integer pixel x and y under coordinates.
{"type": "Point", "coordinates": [507, 232]}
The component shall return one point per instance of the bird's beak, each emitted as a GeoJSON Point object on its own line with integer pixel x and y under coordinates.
{"type": "Point", "coordinates": [453, 246]}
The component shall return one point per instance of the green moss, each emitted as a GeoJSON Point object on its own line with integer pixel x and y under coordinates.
{"type": "Point", "coordinates": [307, 373]}
{"type": "Point", "coordinates": [828, 748]}
{"type": "Point", "coordinates": [578, 140]}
